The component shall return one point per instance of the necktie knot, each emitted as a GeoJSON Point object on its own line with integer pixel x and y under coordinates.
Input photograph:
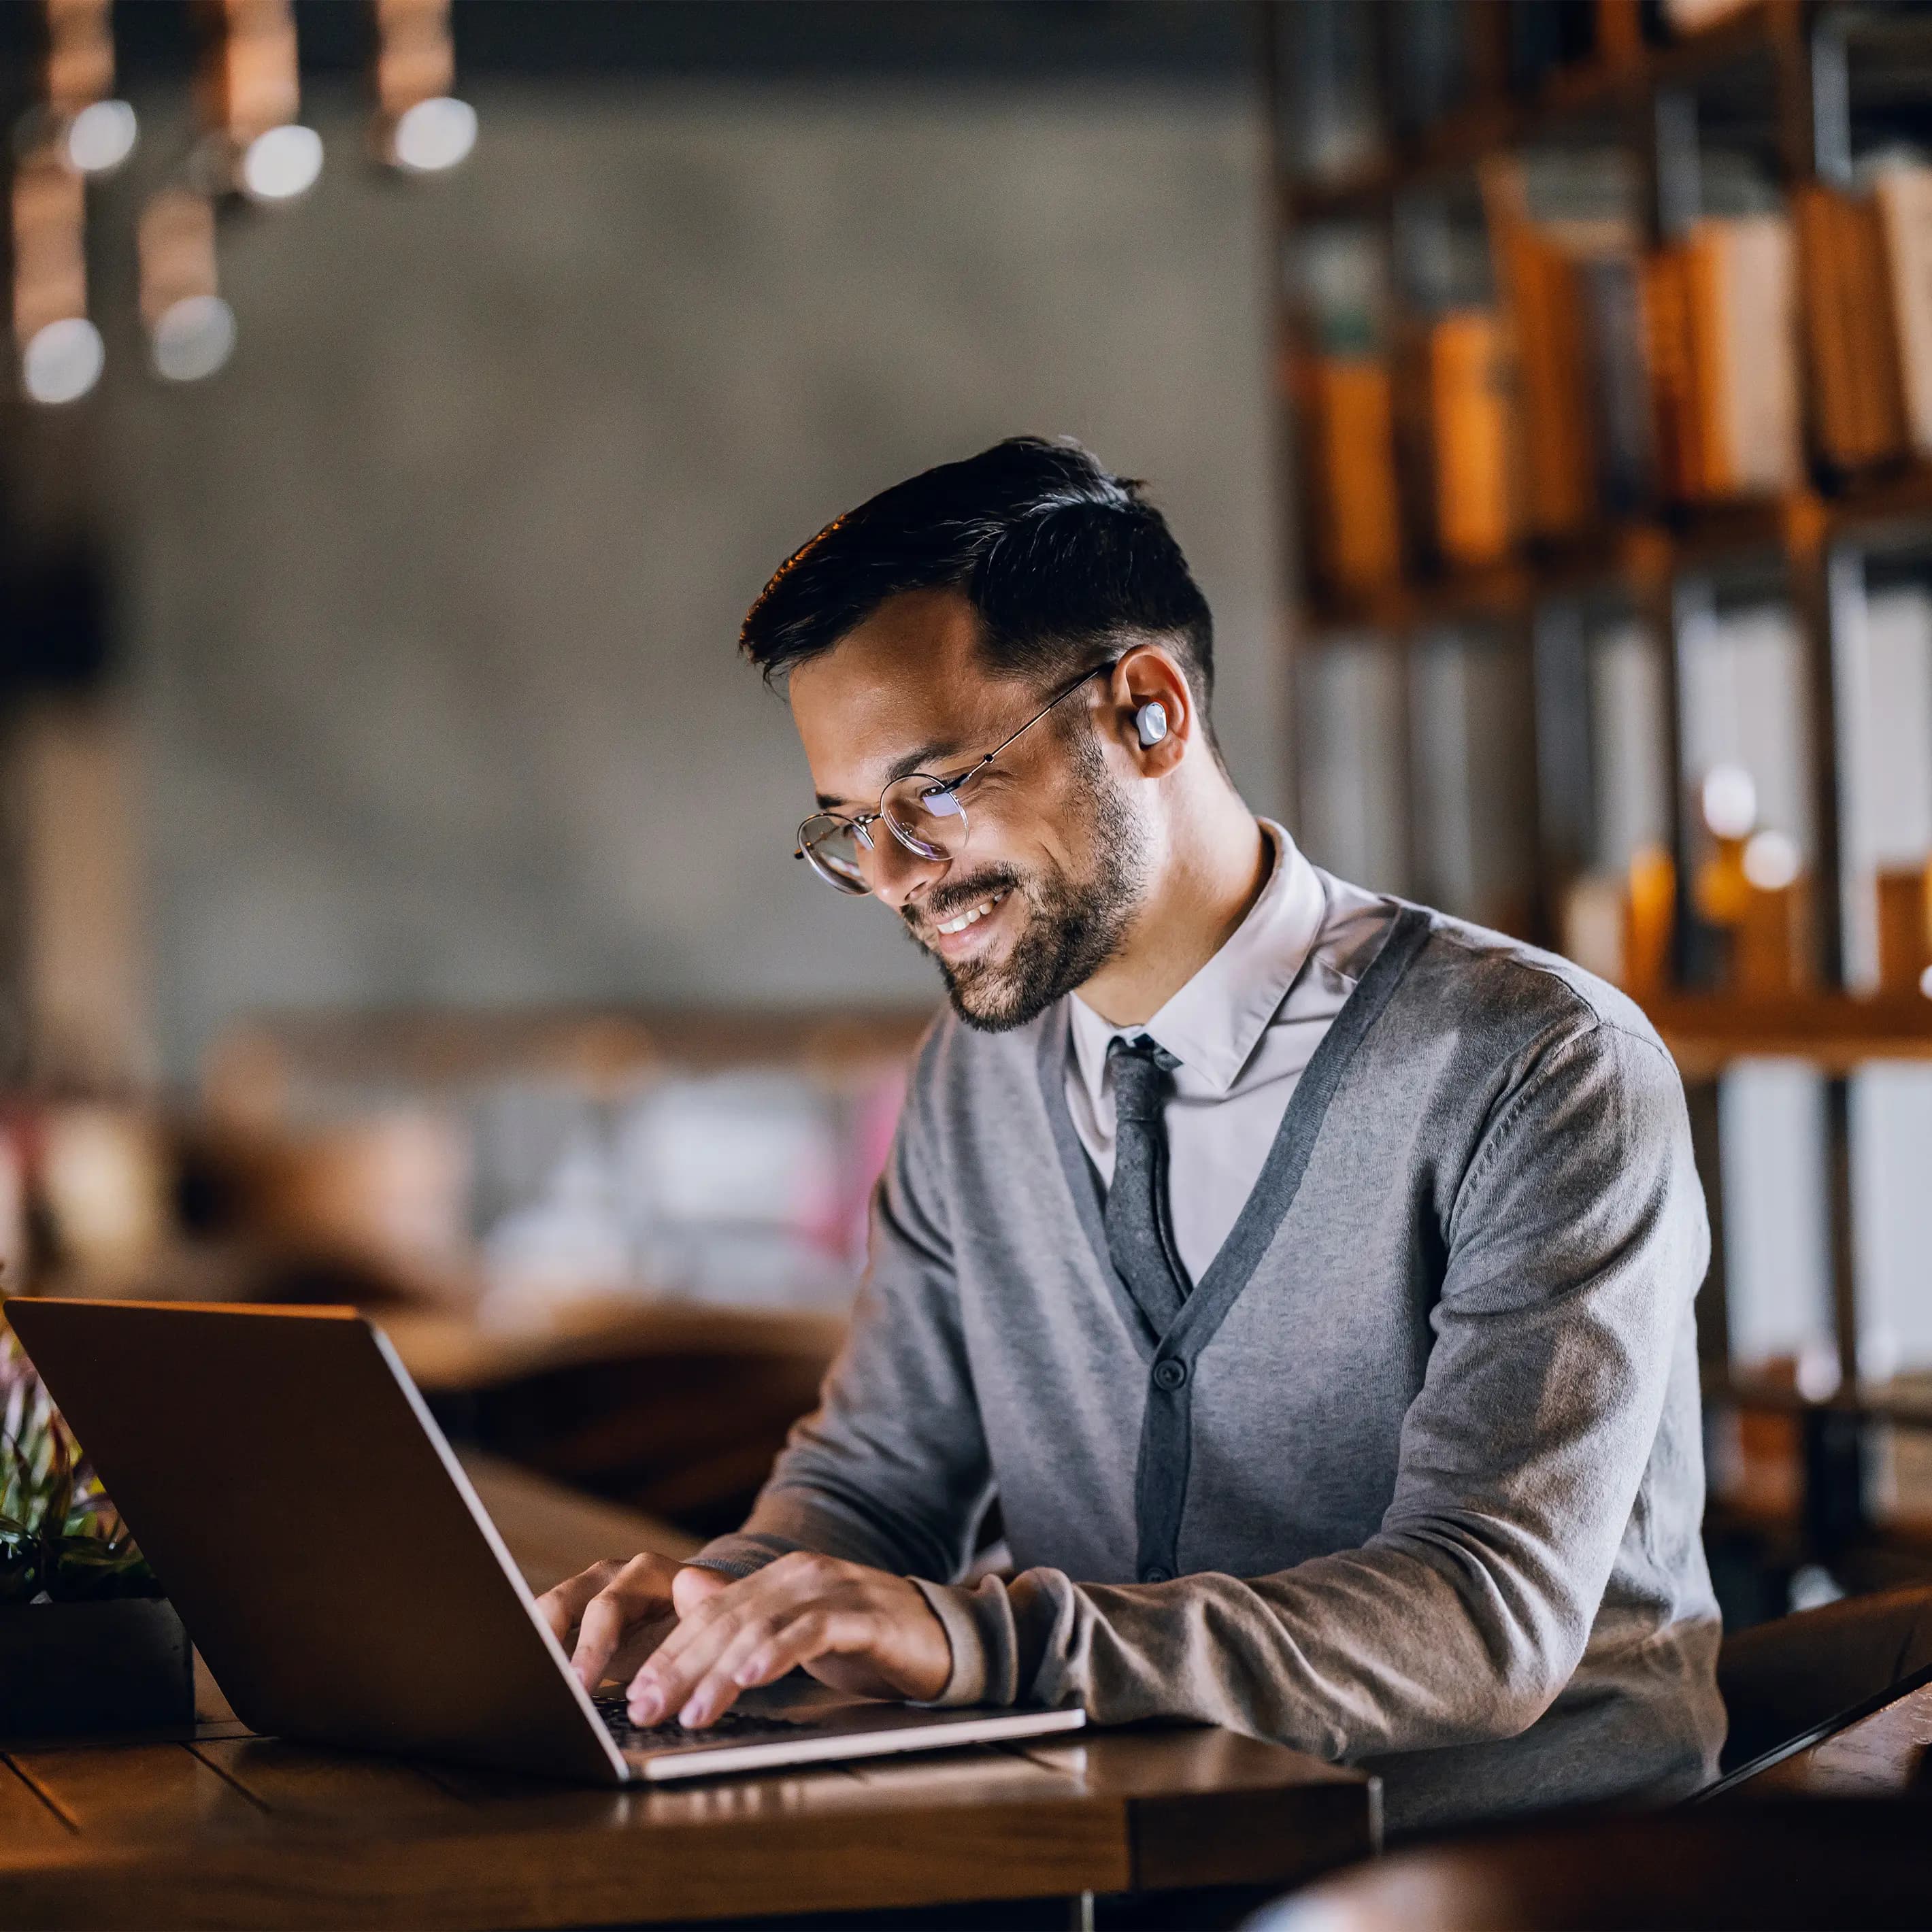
{"type": "Point", "coordinates": [1140, 1067]}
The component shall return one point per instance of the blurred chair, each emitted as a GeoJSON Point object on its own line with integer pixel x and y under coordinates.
{"type": "Point", "coordinates": [1785, 1678]}
{"type": "Point", "coordinates": [1813, 1863]}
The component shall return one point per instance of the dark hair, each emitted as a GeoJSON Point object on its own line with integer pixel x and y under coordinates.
{"type": "Point", "coordinates": [1060, 559]}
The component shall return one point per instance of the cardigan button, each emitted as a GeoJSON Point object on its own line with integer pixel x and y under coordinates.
{"type": "Point", "coordinates": [1154, 1574]}
{"type": "Point", "coordinates": [1169, 1374]}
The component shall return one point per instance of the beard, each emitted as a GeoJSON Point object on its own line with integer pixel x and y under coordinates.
{"type": "Point", "coordinates": [1074, 925]}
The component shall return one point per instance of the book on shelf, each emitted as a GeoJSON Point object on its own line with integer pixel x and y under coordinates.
{"type": "Point", "coordinates": [1882, 661]}
{"type": "Point", "coordinates": [1902, 196]}
{"type": "Point", "coordinates": [1903, 895]}
{"type": "Point", "coordinates": [1559, 447]}
{"type": "Point", "coordinates": [1857, 404]}
{"type": "Point", "coordinates": [1610, 297]}
{"type": "Point", "coordinates": [1721, 324]}
{"type": "Point", "coordinates": [1471, 434]}
{"type": "Point", "coordinates": [1567, 253]}
{"type": "Point", "coordinates": [1349, 472]}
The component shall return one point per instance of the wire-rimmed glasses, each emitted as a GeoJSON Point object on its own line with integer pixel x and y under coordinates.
{"type": "Point", "coordinates": [922, 812]}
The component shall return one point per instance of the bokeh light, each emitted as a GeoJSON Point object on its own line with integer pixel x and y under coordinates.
{"type": "Point", "coordinates": [62, 361]}
{"type": "Point", "coordinates": [282, 163]}
{"type": "Point", "coordinates": [435, 134]}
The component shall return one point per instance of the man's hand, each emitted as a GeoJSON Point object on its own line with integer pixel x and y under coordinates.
{"type": "Point", "coordinates": [857, 1630]}
{"type": "Point", "coordinates": [621, 1612]}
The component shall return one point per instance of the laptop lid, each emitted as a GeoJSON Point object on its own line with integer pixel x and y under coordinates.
{"type": "Point", "coordinates": [280, 1471]}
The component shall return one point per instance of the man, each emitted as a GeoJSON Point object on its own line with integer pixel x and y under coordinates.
{"type": "Point", "coordinates": [1308, 1277]}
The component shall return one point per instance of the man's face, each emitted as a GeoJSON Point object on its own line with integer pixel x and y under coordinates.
{"type": "Point", "coordinates": [1054, 863]}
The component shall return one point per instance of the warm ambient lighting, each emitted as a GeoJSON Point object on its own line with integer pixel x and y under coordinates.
{"type": "Point", "coordinates": [193, 338]}
{"type": "Point", "coordinates": [1772, 861]}
{"type": "Point", "coordinates": [434, 134]}
{"type": "Point", "coordinates": [1729, 801]}
{"type": "Point", "coordinates": [62, 361]}
{"type": "Point", "coordinates": [100, 137]}
{"type": "Point", "coordinates": [282, 163]}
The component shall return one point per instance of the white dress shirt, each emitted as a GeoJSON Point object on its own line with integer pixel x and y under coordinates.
{"type": "Point", "coordinates": [1243, 1029]}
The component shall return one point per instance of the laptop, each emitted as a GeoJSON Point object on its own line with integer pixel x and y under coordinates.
{"type": "Point", "coordinates": [283, 1475]}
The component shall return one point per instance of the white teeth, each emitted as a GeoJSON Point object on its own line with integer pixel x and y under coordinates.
{"type": "Point", "coordinates": [972, 917]}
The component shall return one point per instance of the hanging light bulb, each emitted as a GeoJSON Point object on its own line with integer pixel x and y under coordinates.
{"type": "Point", "coordinates": [95, 132]}
{"type": "Point", "coordinates": [61, 351]}
{"type": "Point", "coordinates": [190, 329]}
{"type": "Point", "coordinates": [422, 127]}
{"type": "Point", "coordinates": [250, 90]}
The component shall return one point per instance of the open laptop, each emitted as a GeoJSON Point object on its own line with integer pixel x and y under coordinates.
{"type": "Point", "coordinates": [282, 1474]}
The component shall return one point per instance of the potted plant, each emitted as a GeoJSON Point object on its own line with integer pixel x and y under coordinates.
{"type": "Point", "coordinates": [87, 1641]}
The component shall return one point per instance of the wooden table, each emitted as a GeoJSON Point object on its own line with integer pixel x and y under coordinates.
{"type": "Point", "coordinates": [218, 1828]}
{"type": "Point", "coordinates": [1886, 1755]}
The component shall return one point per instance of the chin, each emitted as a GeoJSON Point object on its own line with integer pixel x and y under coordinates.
{"type": "Point", "coordinates": [998, 996]}
{"type": "Point", "coordinates": [992, 1006]}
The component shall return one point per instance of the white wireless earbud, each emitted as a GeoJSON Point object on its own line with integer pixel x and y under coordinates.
{"type": "Point", "coordinates": [1151, 722]}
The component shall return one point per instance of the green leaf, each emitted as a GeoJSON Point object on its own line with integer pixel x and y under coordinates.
{"type": "Point", "coordinates": [85, 1569]}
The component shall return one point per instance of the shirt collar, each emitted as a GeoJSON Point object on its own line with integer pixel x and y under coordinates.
{"type": "Point", "coordinates": [1213, 1024]}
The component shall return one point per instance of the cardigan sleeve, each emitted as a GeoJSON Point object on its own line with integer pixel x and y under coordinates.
{"type": "Point", "coordinates": [1576, 1243]}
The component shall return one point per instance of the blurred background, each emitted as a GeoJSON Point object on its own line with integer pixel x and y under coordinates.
{"type": "Point", "coordinates": [406, 399]}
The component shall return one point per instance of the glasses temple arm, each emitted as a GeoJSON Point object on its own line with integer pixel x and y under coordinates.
{"type": "Point", "coordinates": [1085, 677]}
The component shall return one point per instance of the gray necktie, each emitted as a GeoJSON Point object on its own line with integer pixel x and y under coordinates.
{"type": "Point", "coordinates": [1140, 1235]}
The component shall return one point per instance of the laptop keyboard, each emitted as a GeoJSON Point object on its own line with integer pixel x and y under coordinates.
{"type": "Point", "coordinates": [734, 1727]}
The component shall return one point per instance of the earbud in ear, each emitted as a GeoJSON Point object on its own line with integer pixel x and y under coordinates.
{"type": "Point", "coordinates": [1150, 720]}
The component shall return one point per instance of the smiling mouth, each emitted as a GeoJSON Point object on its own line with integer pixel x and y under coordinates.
{"type": "Point", "coordinates": [973, 914]}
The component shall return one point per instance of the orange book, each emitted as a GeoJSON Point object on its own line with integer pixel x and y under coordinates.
{"type": "Point", "coordinates": [1904, 927]}
{"type": "Point", "coordinates": [1667, 328]}
{"type": "Point", "coordinates": [1559, 457]}
{"type": "Point", "coordinates": [1471, 428]}
{"type": "Point", "coordinates": [1650, 918]}
{"type": "Point", "coordinates": [1351, 472]}
{"type": "Point", "coordinates": [1851, 351]}
{"type": "Point", "coordinates": [1772, 953]}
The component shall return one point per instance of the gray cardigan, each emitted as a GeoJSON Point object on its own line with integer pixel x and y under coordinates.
{"type": "Point", "coordinates": [1413, 1480]}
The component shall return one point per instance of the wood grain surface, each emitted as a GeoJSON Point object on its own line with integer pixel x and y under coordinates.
{"type": "Point", "coordinates": [217, 1828]}
{"type": "Point", "coordinates": [1883, 1755]}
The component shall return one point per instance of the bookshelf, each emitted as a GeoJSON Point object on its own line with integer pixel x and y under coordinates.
{"type": "Point", "coordinates": [1605, 367]}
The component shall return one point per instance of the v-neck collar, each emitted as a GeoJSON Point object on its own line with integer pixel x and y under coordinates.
{"type": "Point", "coordinates": [1274, 1191]}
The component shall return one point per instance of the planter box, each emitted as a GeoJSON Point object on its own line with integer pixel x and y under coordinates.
{"type": "Point", "coordinates": [71, 1668]}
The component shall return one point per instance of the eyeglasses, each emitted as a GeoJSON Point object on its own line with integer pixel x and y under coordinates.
{"type": "Point", "coordinates": [922, 812]}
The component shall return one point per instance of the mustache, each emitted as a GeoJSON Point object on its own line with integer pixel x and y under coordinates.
{"type": "Point", "coordinates": [942, 904]}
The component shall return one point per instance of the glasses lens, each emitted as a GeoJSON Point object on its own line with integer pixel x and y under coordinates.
{"type": "Point", "coordinates": [832, 845]}
{"type": "Point", "coordinates": [926, 818]}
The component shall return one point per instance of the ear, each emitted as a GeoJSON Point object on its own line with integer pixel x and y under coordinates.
{"type": "Point", "coordinates": [1149, 675]}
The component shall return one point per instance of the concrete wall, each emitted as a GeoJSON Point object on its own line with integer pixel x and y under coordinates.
{"type": "Point", "coordinates": [430, 597]}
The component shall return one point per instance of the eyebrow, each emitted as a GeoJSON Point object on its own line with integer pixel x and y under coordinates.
{"type": "Point", "coordinates": [938, 751]}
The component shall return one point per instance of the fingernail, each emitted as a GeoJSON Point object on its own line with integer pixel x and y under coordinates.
{"type": "Point", "coordinates": [747, 1674]}
{"type": "Point", "coordinates": [646, 1706]}
{"type": "Point", "coordinates": [696, 1712]}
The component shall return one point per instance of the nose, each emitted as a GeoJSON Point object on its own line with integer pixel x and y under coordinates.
{"type": "Point", "coordinates": [898, 876]}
